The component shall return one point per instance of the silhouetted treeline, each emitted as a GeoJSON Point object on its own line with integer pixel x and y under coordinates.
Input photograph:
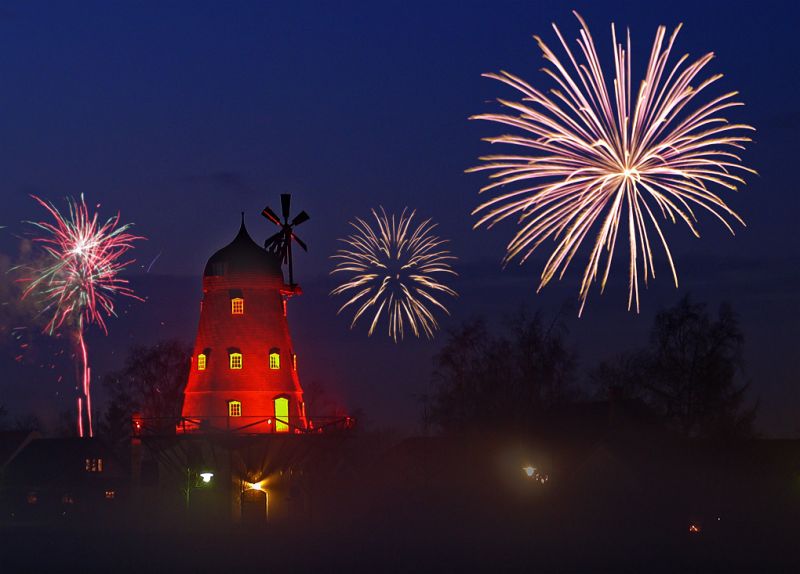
{"type": "Point", "coordinates": [688, 375]}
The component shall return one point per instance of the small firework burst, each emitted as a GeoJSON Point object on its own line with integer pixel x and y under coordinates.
{"type": "Point", "coordinates": [78, 282]}
{"type": "Point", "coordinates": [81, 276]}
{"type": "Point", "coordinates": [592, 160]}
{"type": "Point", "coordinates": [394, 268]}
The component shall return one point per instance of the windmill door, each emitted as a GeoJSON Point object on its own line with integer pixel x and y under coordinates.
{"type": "Point", "coordinates": [254, 506]}
{"type": "Point", "coordinates": [281, 414]}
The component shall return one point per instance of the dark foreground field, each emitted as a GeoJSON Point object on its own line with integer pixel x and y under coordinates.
{"type": "Point", "coordinates": [419, 535]}
{"type": "Point", "coordinates": [390, 544]}
{"type": "Point", "coordinates": [635, 504]}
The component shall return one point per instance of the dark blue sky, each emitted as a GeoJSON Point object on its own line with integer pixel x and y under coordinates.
{"type": "Point", "coordinates": [181, 114]}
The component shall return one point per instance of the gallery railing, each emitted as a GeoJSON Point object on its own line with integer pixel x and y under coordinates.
{"type": "Point", "coordinates": [143, 426]}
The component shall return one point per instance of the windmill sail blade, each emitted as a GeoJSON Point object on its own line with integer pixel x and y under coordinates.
{"type": "Point", "coordinates": [274, 240]}
{"type": "Point", "coordinates": [300, 242]}
{"type": "Point", "coordinates": [286, 201]}
{"type": "Point", "coordinates": [269, 214]}
{"type": "Point", "coordinates": [300, 218]}
{"type": "Point", "coordinates": [281, 242]}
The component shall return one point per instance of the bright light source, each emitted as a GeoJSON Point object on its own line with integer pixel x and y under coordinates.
{"type": "Point", "coordinates": [535, 474]}
{"type": "Point", "coordinates": [206, 476]}
{"type": "Point", "coordinates": [255, 485]}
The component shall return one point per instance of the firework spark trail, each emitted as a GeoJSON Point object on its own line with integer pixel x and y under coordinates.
{"type": "Point", "coordinates": [394, 268]}
{"type": "Point", "coordinates": [153, 262]}
{"type": "Point", "coordinates": [78, 286]}
{"type": "Point", "coordinates": [588, 162]}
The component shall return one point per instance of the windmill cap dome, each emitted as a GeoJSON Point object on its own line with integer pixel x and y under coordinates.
{"type": "Point", "coordinates": [243, 256]}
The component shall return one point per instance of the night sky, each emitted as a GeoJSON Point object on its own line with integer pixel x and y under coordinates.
{"type": "Point", "coordinates": [183, 114]}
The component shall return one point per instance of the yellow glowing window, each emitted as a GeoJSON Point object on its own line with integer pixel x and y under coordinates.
{"type": "Point", "coordinates": [201, 362]}
{"type": "Point", "coordinates": [236, 360]}
{"type": "Point", "coordinates": [94, 465]}
{"type": "Point", "coordinates": [234, 409]}
{"type": "Point", "coordinates": [274, 360]}
{"type": "Point", "coordinates": [281, 414]}
{"type": "Point", "coordinates": [294, 361]}
{"type": "Point", "coordinates": [237, 306]}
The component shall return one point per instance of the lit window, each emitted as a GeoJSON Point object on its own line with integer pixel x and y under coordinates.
{"type": "Point", "coordinates": [33, 498]}
{"type": "Point", "coordinates": [110, 494]}
{"type": "Point", "coordinates": [201, 362]}
{"type": "Point", "coordinates": [274, 359]}
{"type": "Point", "coordinates": [67, 499]}
{"type": "Point", "coordinates": [281, 414]}
{"type": "Point", "coordinates": [237, 306]}
{"type": "Point", "coordinates": [234, 409]}
{"type": "Point", "coordinates": [94, 465]}
{"type": "Point", "coordinates": [236, 360]}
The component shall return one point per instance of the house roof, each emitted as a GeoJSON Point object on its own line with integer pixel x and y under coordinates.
{"type": "Point", "coordinates": [12, 442]}
{"type": "Point", "coordinates": [57, 460]}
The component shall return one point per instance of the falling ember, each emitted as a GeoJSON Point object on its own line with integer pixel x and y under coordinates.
{"type": "Point", "coordinates": [394, 268]}
{"type": "Point", "coordinates": [590, 159]}
{"type": "Point", "coordinates": [78, 284]}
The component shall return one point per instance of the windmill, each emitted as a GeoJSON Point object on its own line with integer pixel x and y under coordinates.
{"type": "Point", "coordinates": [281, 243]}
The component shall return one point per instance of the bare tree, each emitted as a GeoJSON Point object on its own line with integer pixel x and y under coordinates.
{"type": "Point", "coordinates": [151, 382]}
{"type": "Point", "coordinates": [691, 371]}
{"type": "Point", "coordinates": [507, 382]}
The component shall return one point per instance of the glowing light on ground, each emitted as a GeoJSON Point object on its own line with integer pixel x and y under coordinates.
{"type": "Point", "coordinates": [590, 160]}
{"type": "Point", "coordinates": [77, 284]}
{"type": "Point", "coordinates": [394, 268]}
{"type": "Point", "coordinates": [535, 474]}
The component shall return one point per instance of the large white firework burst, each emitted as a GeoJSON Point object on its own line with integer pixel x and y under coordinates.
{"type": "Point", "coordinates": [590, 158]}
{"type": "Point", "coordinates": [396, 269]}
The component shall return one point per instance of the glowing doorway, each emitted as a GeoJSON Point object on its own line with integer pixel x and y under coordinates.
{"type": "Point", "coordinates": [281, 414]}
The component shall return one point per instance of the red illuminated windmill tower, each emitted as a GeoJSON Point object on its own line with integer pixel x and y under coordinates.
{"type": "Point", "coordinates": [244, 369]}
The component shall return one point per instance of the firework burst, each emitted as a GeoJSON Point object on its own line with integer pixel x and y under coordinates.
{"type": "Point", "coordinates": [394, 268]}
{"type": "Point", "coordinates": [77, 284]}
{"type": "Point", "coordinates": [591, 159]}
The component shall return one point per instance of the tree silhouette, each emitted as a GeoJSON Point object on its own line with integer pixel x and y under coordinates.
{"type": "Point", "coordinates": [690, 372]}
{"type": "Point", "coordinates": [151, 383]}
{"type": "Point", "coordinates": [501, 382]}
